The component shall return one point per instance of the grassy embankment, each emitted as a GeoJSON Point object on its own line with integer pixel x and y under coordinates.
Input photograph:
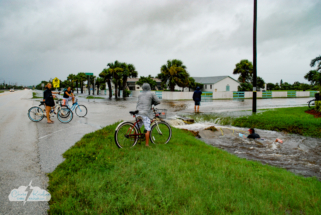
{"type": "Point", "coordinates": [92, 97]}
{"type": "Point", "coordinates": [1, 91]}
{"type": "Point", "coordinates": [291, 120]}
{"type": "Point", "coordinates": [185, 176]}
{"type": "Point", "coordinates": [34, 96]}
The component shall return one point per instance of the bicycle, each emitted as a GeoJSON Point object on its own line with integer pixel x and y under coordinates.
{"type": "Point", "coordinates": [36, 114]}
{"type": "Point", "coordinates": [127, 133]}
{"type": "Point", "coordinates": [80, 110]}
{"type": "Point", "coordinates": [311, 103]}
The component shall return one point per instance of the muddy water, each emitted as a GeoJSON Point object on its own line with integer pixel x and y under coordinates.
{"type": "Point", "coordinates": [298, 154]}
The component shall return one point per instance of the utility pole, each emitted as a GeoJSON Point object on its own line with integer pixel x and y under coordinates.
{"type": "Point", "coordinates": [254, 57]}
{"type": "Point", "coordinates": [88, 85]}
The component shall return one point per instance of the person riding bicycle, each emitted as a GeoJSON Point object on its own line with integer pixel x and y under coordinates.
{"type": "Point", "coordinates": [68, 95]}
{"type": "Point", "coordinates": [144, 105]}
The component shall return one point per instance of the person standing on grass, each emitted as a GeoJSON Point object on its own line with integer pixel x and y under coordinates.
{"type": "Point", "coordinates": [197, 98]}
{"type": "Point", "coordinates": [144, 105]}
{"type": "Point", "coordinates": [48, 98]}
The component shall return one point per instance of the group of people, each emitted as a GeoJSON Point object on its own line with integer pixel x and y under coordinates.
{"type": "Point", "coordinates": [49, 102]}
{"type": "Point", "coordinates": [145, 101]}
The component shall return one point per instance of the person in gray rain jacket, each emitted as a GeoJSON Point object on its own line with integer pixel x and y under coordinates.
{"type": "Point", "coordinates": [144, 105]}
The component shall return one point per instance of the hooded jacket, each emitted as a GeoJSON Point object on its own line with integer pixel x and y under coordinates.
{"type": "Point", "coordinates": [197, 95]}
{"type": "Point", "coordinates": [145, 101]}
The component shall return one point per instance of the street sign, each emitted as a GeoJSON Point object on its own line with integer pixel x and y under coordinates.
{"type": "Point", "coordinates": [89, 73]}
{"type": "Point", "coordinates": [55, 82]}
{"type": "Point", "coordinates": [42, 85]}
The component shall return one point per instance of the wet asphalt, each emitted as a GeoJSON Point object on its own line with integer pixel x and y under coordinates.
{"type": "Point", "coordinates": [29, 150]}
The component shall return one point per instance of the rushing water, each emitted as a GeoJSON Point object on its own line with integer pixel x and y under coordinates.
{"type": "Point", "coordinates": [298, 154]}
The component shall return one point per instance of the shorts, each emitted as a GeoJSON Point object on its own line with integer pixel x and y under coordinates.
{"type": "Point", "coordinates": [146, 122]}
{"type": "Point", "coordinates": [65, 102]}
{"type": "Point", "coordinates": [197, 103]}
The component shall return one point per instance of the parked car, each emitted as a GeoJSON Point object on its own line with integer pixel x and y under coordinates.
{"type": "Point", "coordinates": [11, 90]}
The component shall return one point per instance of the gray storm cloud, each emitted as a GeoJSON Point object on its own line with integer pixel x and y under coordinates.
{"type": "Point", "coordinates": [45, 39]}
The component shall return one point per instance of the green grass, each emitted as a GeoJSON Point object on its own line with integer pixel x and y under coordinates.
{"type": "Point", "coordinates": [1, 91]}
{"type": "Point", "coordinates": [292, 120]}
{"type": "Point", "coordinates": [34, 96]}
{"type": "Point", "coordinates": [185, 176]}
{"type": "Point", "coordinates": [92, 97]}
{"type": "Point", "coordinates": [289, 90]}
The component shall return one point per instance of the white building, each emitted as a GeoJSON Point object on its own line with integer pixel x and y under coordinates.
{"type": "Point", "coordinates": [218, 83]}
{"type": "Point", "coordinates": [131, 83]}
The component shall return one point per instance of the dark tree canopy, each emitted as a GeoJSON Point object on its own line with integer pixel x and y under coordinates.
{"type": "Point", "coordinates": [148, 80]}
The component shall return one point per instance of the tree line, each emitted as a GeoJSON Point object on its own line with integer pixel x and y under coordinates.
{"type": "Point", "coordinates": [245, 71]}
{"type": "Point", "coordinates": [174, 73]}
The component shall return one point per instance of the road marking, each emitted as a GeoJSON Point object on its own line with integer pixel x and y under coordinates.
{"type": "Point", "coordinates": [54, 132]}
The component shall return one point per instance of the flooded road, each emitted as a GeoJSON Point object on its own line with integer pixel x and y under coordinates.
{"type": "Point", "coordinates": [298, 154]}
{"type": "Point", "coordinates": [234, 105]}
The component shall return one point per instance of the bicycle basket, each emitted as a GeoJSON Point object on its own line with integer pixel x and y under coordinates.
{"type": "Point", "coordinates": [162, 113]}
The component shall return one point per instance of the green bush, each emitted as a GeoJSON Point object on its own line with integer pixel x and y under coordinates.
{"type": "Point", "coordinates": [318, 106]}
{"type": "Point", "coordinates": [127, 93]}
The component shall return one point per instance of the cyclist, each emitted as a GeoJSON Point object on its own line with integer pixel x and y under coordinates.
{"type": "Point", "coordinates": [68, 95]}
{"type": "Point", "coordinates": [48, 98]}
{"type": "Point", "coordinates": [144, 105]}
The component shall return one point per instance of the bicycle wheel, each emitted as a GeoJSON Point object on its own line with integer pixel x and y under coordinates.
{"type": "Point", "coordinates": [81, 110]}
{"type": "Point", "coordinates": [160, 133]}
{"type": "Point", "coordinates": [65, 112]}
{"type": "Point", "coordinates": [126, 135]}
{"type": "Point", "coordinates": [311, 103]}
{"type": "Point", "coordinates": [67, 117]}
{"type": "Point", "coordinates": [36, 114]}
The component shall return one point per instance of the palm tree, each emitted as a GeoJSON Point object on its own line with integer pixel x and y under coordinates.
{"type": "Point", "coordinates": [99, 82]}
{"type": "Point", "coordinates": [81, 78]}
{"type": "Point", "coordinates": [77, 80]}
{"type": "Point", "coordinates": [106, 75]}
{"type": "Point", "coordinates": [129, 72]}
{"type": "Point", "coordinates": [174, 72]}
{"type": "Point", "coordinates": [91, 81]}
{"type": "Point", "coordinates": [316, 60]}
{"type": "Point", "coordinates": [71, 78]}
{"type": "Point", "coordinates": [244, 68]}
{"type": "Point", "coordinates": [116, 71]}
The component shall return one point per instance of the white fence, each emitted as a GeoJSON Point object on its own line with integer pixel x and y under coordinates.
{"type": "Point", "coordinates": [231, 95]}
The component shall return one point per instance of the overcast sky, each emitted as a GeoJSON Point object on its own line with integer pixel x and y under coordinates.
{"type": "Point", "coordinates": [42, 39]}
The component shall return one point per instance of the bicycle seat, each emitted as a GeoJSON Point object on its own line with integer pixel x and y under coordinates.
{"type": "Point", "coordinates": [41, 103]}
{"type": "Point", "coordinates": [134, 112]}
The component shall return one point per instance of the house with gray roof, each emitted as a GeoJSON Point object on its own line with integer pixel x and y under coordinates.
{"type": "Point", "coordinates": [218, 83]}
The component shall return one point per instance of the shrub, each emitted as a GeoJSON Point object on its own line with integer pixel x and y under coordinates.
{"type": "Point", "coordinates": [127, 93]}
{"type": "Point", "coordinates": [318, 106]}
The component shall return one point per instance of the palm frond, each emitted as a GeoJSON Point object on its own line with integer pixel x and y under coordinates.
{"type": "Point", "coordinates": [313, 61]}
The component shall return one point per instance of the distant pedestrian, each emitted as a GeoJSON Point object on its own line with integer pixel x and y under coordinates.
{"type": "Point", "coordinates": [197, 99]}
{"type": "Point", "coordinates": [253, 135]}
